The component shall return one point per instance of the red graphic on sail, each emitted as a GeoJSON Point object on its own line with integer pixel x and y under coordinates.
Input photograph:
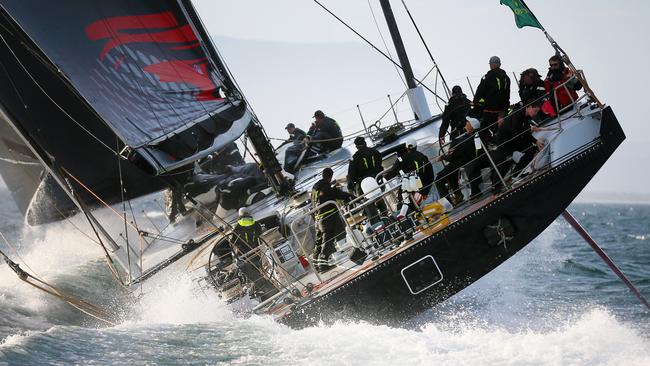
{"type": "Point", "coordinates": [193, 72]}
{"type": "Point", "coordinates": [161, 28]}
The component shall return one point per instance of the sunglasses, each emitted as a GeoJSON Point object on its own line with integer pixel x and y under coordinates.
{"type": "Point", "coordinates": [554, 64]}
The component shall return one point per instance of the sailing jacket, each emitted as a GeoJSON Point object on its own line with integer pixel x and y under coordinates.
{"type": "Point", "coordinates": [461, 150]}
{"type": "Point", "coordinates": [554, 80]}
{"type": "Point", "coordinates": [327, 129]}
{"type": "Point", "coordinates": [246, 235]}
{"type": "Point", "coordinates": [415, 161]}
{"type": "Point", "coordinates": [454, 115]}
{"type": "Point", "coordinates": [366, 162]}
{"type": "Point", "coordinates": [297, 135]}
{"type": "Point", "coordinates": [532, 92]}
{"type": "Point", "coordinates": [493, 93]}
{"type": "Point", "coordinates": [323, 192]}
{"type": "Point", "coordinates": [514, 134]}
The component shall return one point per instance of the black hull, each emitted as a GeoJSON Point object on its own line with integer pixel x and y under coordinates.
{"type": "Point", "coordinates": [461, 250]}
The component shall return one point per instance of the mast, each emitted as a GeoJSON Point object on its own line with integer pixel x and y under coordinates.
{"type": "Point", "coordinates": [415, 93]}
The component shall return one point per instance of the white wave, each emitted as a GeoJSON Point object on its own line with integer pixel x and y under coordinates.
{"type": "Point", "coordinates": [56, 253]}
{"type": "Point", "coordinates": [639, 237]}
{"type": "Point", "coordinates": [595, 338]}
{"type": "Point", "coordinates": [173, 298]}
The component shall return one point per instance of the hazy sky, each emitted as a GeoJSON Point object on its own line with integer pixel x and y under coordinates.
{"type": "Point", "coordinates": [290, 58]}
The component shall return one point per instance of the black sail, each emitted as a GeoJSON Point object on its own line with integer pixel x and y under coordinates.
{"type": "Point", "coordinates": [115, 89]}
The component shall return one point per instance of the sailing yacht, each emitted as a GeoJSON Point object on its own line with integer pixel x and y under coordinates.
{"type": "Point", "coordinates": [119, 100]}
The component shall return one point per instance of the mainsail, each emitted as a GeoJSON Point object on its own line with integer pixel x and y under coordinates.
{"type": "Point", "coordinates": [115, 92]}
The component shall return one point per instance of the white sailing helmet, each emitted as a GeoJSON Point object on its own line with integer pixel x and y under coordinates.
{"type": "Point", "coordinates": [370, 188]}
{"type": "Point", "coordinates": [243, 212]}
{"type": "Point", "coordinates": [411, 144]}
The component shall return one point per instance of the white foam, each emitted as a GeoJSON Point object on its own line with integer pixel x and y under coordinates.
{"type": "Point", "coordinates": [173, 298]}
{"type": "Point", "coordinates": [595, 338]}
{"type": "Point", "coordinates": [16, 340]}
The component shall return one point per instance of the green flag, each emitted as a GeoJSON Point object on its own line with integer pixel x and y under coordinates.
{"type": "Point", "coordinates": [523, 16]}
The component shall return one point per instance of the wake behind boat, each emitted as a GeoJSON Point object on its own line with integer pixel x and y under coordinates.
{"type": "Point", "coordinates": [145, 94]}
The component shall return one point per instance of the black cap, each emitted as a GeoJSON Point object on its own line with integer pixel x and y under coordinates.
{"type": "Point", "coordinates": [532, 72]}
{"type": "Point", "coordinates": [456, 90]}
{"type": "Point", "coordinates": [359, 141]}
{"type": "Point", "coordinates": [319, 114]}
{"type": "Point", "coordinates": [290, 125]}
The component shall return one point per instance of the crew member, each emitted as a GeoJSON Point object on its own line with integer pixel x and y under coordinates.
{"type": "Point", "coordinates": [515, 134]}
{"type": "Point", "coordinates": [330, 225]}
{"type": "Point", "coordinates": [531, 87]}
{"type": "Point", "coordinates": [562, 80]}
{"type": "Point", "coordinates": [295, 134]}
{"type": "Point", "coordinates": [454, 114]}
{"type": "Point", "coordinates": [245, 238]}
{"type": "Point", "coordinates": [174, 199]}
{"type": "Point", "coordinates": [492, 98]}
{"type": "Point", "coordinates": [246, 233]}
{"type": "Point", "coordinates": [366, 162]}
{"type": "Point", "coordinates": [461, 152]}
{"type": "Point", "coordinates": [325, 131]}
{"type": "Point", "coordinates": [414, 161]}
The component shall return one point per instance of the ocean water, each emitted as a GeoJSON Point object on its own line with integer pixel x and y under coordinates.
{"type": "Point", "coordinates": [555, 303]}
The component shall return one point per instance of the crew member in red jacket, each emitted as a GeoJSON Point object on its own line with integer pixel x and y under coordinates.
{"type": "Point", "coordinates": [559, 74]}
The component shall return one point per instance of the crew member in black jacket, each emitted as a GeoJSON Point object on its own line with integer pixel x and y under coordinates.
{"type": "Point", "coordinates": [245, 238]}
{"type": "Point", "coordinates": [454, 114]}
{"type": "Point", "coordinates": [326, 132]}
{"type": "Point", "coordinates": [330, 226]}
{"type": "Point", "coordinates": [461, 151]}
{"type": "Point", "coordinates": [515, 134]}
{"type": "Point", "coordinates": [414, 161]}
{"type": "Point", "coordinates": [531, 87]}
{"type": "Point", "coordinates": [492, 98]}
{"type": "Point", "coordinates": [366, 162]}
{"type": "Point", "coordinates": [295, 134]}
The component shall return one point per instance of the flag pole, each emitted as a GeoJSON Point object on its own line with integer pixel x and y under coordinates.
{"type": "Point", "coordinates": [560, 52]}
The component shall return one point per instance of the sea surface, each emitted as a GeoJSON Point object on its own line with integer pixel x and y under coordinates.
{"type": "Point", "coordinates": [554, 303]}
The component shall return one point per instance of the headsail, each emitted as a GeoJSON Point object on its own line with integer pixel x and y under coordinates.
{"type": "Point", "coordinates": [142, 68]}
{"type": "Point", "coordinates": [19, 168]}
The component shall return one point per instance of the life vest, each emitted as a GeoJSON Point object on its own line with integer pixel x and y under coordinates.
{"type": "Point", "coordinates": [247, 231]}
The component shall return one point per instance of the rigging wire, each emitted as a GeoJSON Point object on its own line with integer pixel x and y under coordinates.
{"type": "Point", "coordinates": [374, 47]}
{"type": "Point", "coordinates": [126, 229]}
{"type": "Point", "coordinates": [362, 132]}
{"type": "Point", "coordinates": [401, 77]}
{"type": "Point", "coordinates": [444, 83]}
{"type": "Point", "coordinates": [95, 195]}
